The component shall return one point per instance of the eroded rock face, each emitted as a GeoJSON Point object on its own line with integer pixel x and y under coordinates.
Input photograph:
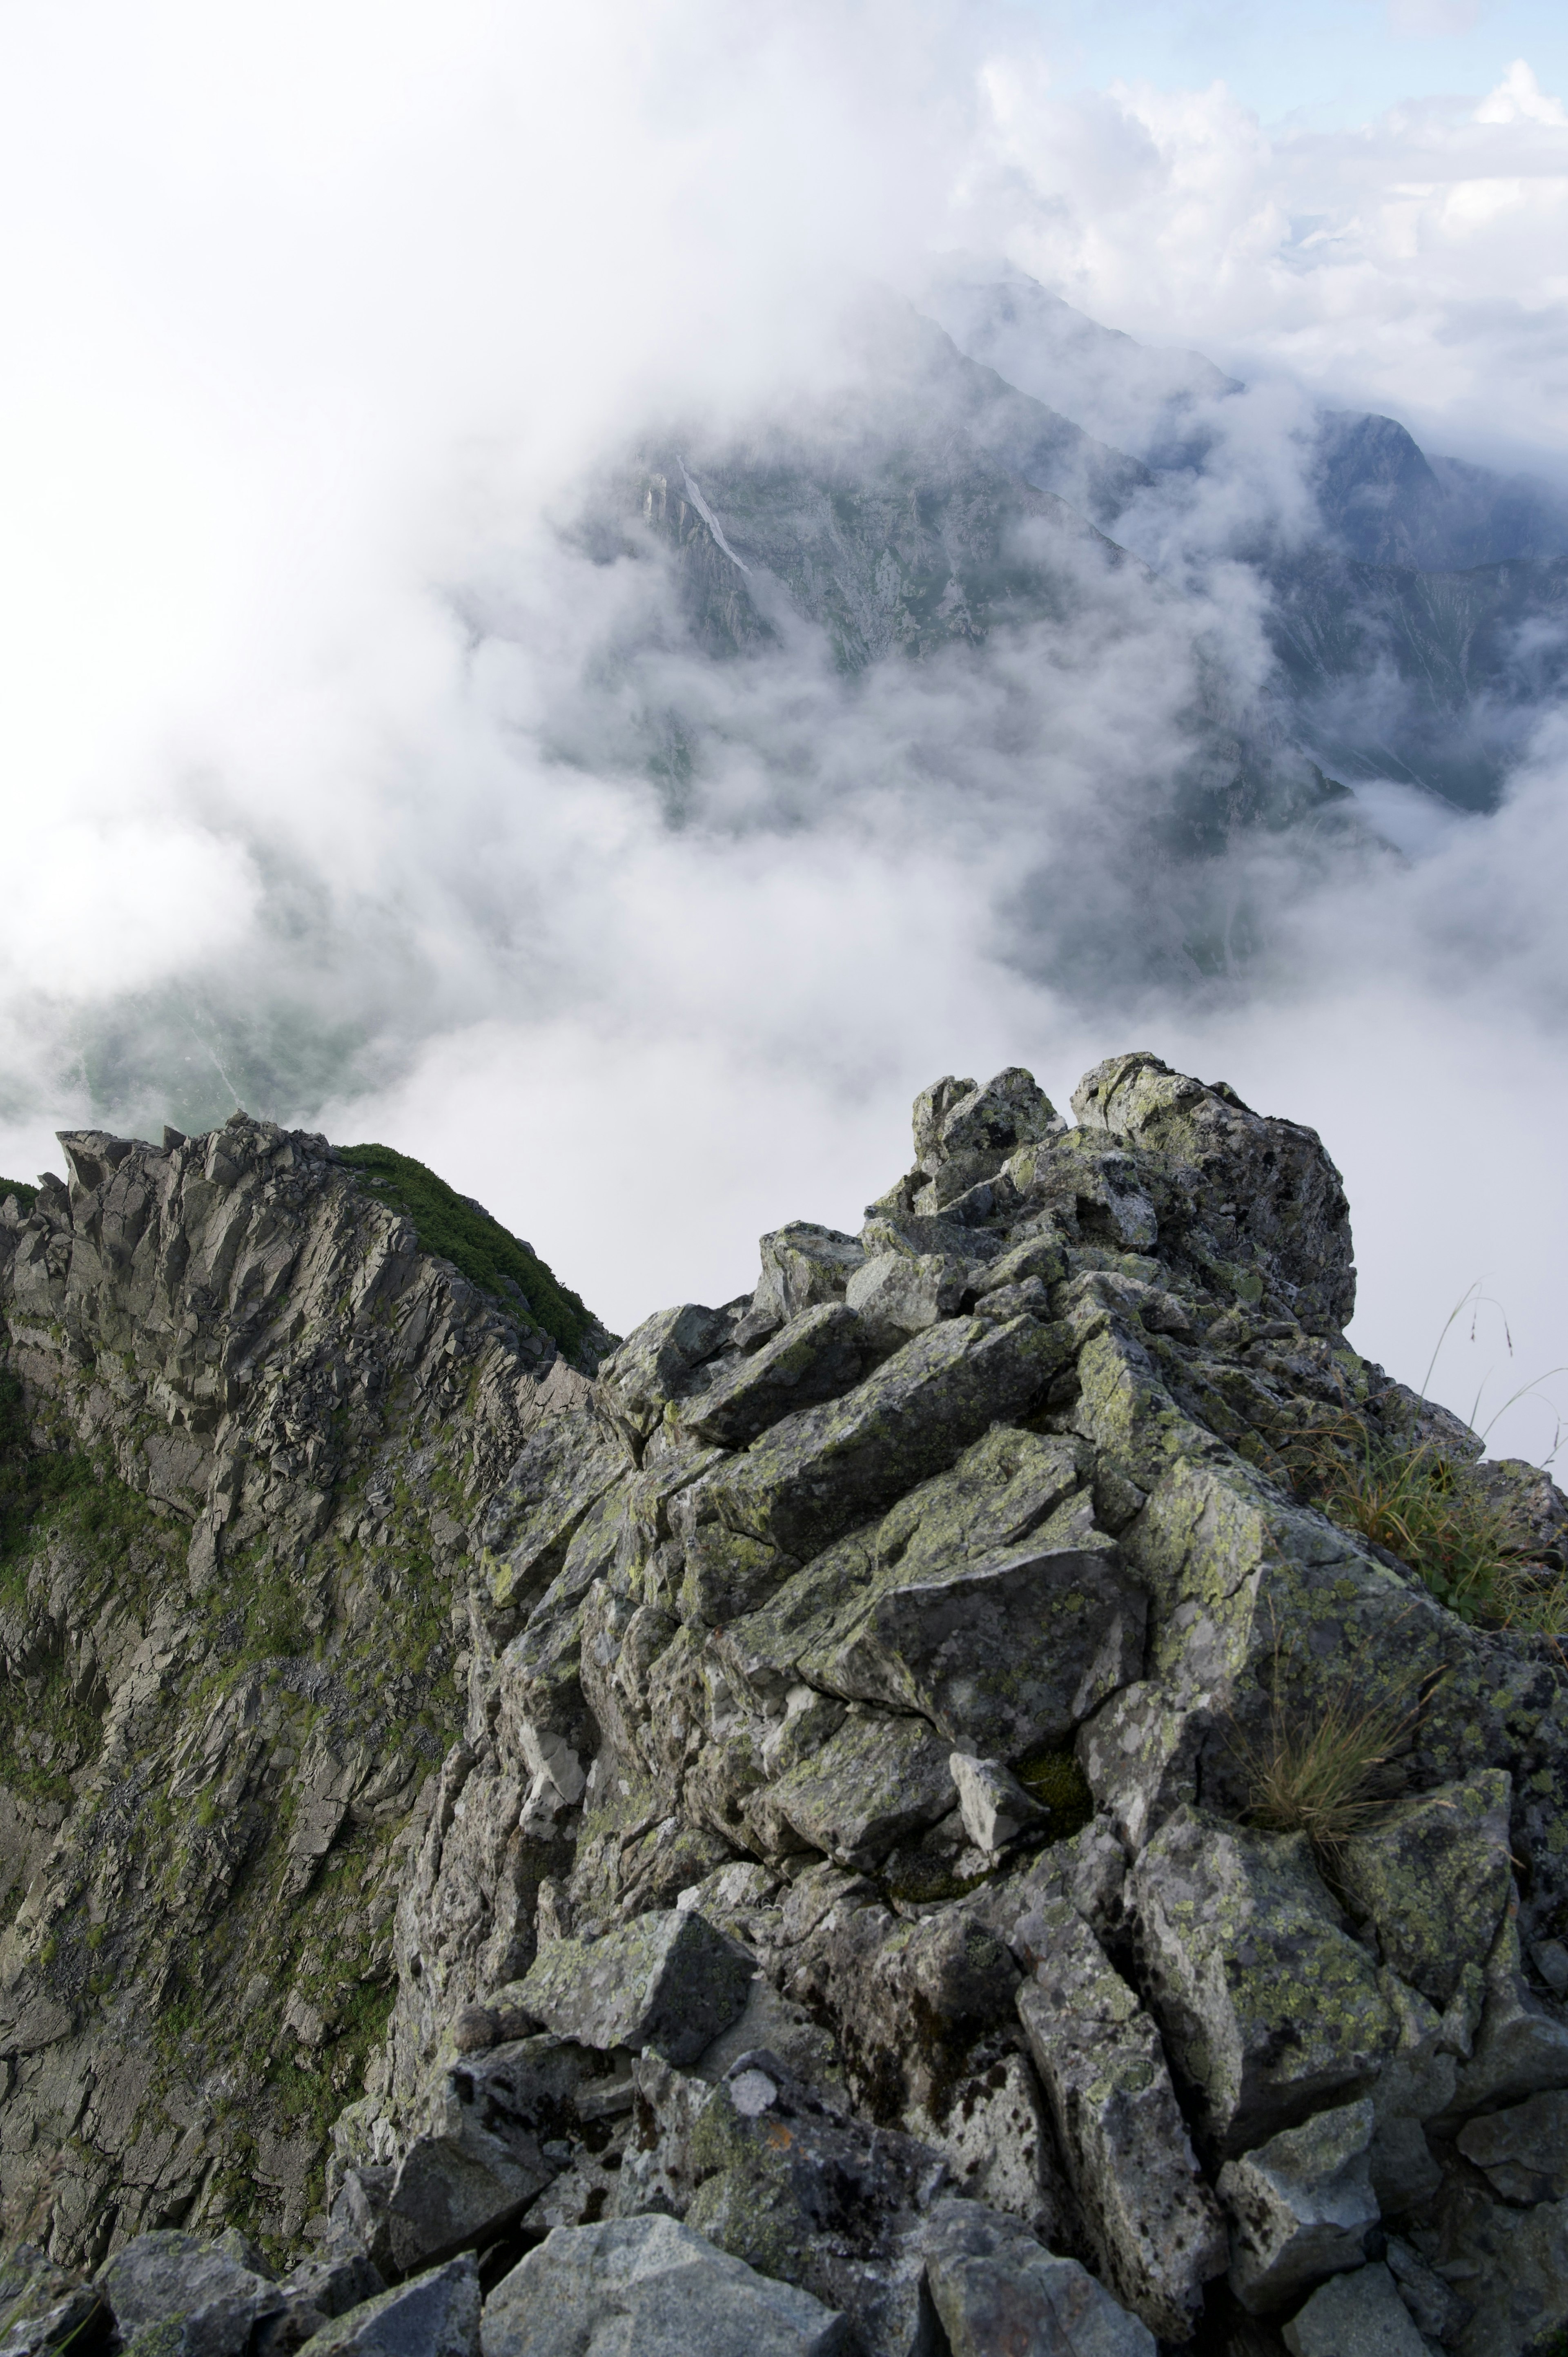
{"type": "Point", "coordinates": [799, 1646]}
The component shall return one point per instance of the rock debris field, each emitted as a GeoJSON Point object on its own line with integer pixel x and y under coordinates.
{"type": "Point", "coordinates": [935, 1807]}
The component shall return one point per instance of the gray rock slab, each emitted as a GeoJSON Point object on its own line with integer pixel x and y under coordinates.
{"type": "Point", "coordinates": [655, 1362]}
{"type": "Point", "coordinates": [896, 1294]}
{"type": "Point", "coordinates": [803, 1264]}
{"type": "Point", "coordinates": [803, 2191]}
{"type": "Point", "coordinates": [1158, 2232]}
{"type": "Point", "coordinates": [815, 1356]}
{"type": "Point", "coordinates": [168, 2276]}
{"type": "Point", "coordinates": [42, 2306]}
{"type": "Point", "coordinates": [1001, 1655]}
{"type": "Point", "coordinates": [1358, 2315]}
{"type": "Point", "coordinates": [1301, 2207]}
{"type": "Point", "coordinates": [432, 2315]}
{"type": "Point", "coordinates": [1269, 2009]}
{"type": "Point", "coordinates": [1510, 2267]}
{"type": "Point", "coordinates": [651, 2288]}
{"type": "Point", "coordinates": [483, 2158]}
{"type": "Point", "coordinates": [1435, 1876]}
{"type": "Point", "coordinates": [997, 2290]}
{"type": "Point", "coordinates": [669, 1980]}
{"type": "Point", "coordinates": [1439, 2312]}
{"type": "Point", "coordinates": [877, 1779]}
{"type": "Point", "coordinates": [825, 1468]}
{"type": "Point", "coordinates": [1521, 2049]}
{"type": "Point", "coordinates": [1523, 2150]}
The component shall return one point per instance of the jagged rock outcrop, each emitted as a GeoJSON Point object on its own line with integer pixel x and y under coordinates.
{"type": "Point", "coordinates": [862, 1853]}
{"type": "Point", "coordinates": [249, 1422]}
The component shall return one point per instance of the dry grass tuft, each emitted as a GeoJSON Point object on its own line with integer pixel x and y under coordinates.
{"type": "Point", "coordinates": [1476, 1556]}
{"type": "Point", "coordinates": [1326, 1769]}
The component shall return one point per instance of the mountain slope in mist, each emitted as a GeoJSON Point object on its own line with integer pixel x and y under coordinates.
{"type": "Point", "coordinates": [1416, 602]}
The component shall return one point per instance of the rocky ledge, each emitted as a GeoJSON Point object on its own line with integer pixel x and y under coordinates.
{"type": "Point", "coordinates": [960, 1838]}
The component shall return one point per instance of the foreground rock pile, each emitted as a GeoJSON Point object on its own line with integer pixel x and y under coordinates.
{"type": "Point", "coordinates": [843, 1920]}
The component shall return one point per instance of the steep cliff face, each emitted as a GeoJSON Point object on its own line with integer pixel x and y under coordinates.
{"type": "Point", "coordinates": [248, 1422]}
{"type": "Point", "coordinates": [934, 1764]}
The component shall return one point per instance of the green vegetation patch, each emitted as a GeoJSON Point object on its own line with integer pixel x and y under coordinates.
{"type": "Point", "coordinates": [1474, 1555]}
{"type": "Point", "coordinates": [1055, 1778]}
{"type": "Point", "coordinates": [26, 1196]}
{"type": "Point", "coordinates": [487, 1253]}
{"type": "Point", "coordinates": [65, 1486]}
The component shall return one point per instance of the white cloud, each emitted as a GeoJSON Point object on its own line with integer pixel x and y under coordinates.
{"type": "Point", "coordinates": [316, 322]}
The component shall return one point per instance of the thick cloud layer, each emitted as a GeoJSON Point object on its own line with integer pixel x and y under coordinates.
{"type": "Point", "coordinates": [329, 747]}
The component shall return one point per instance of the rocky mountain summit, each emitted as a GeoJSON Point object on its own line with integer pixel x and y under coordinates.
{"type": "Point", "coordinates": [907, 1812]}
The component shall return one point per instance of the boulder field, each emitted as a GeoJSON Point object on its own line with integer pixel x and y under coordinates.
{"type": "Point", "coordinates": [911, 1811]}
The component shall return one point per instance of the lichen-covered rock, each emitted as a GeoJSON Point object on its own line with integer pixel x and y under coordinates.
{"type": "Point", "coordinates": [652, 2285]}
{"type": "Point", "coordinates": [1271, 2009]}
{"type": "Point", "coordinates": [875, 1778]}
{"type": "Point", "coordinates": [667, 1980]}
{"type": "Point", "coordinates": [1157, 2231]}
{"type": "Point", "coordinates": [1435, 1876]}
{"type": "Point", "coordinates": [995, 2289]}
{"type": "Point", "coordinates": [992, 1803]}
{"type": "Point", "coordinates": [207, 2299]}
{"type": "Point", "coordinates": [805, 2194]}
{"type": "Point", "coordinates": [1301, 2207]}
{"type": "Point", "coordinates": [403, 1654]}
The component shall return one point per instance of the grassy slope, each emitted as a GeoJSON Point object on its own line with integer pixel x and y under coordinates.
{"type": "Point", "coordinates": [487, 1253]}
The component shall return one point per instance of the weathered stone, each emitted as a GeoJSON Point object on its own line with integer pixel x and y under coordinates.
{"type": "Point", "coordinates": [824, 1468]}
{"type": "Point", "coordinates": [806, 2194]}
{"type": "Point", "coordinates": [667, 1980]}
{"type": "Point", "coordinates": [895, 1295]}
{"type": "Point", "coordinates": [1438, 2311]}
{"type": "Point", "coordinates": [1301, 2207]}
{"type": "Point", "coordinates": [1358, 2315]}
{"type": "Point", "coordinates": [475, 2028]}
{"type": "Point", "coordinates": [44, 2307]}
{"type": "Point", "coordinates": [993, 1804]}
{"type": "Point", "coordinates": [1435, 1876]}
{"type": "Point", "coordinates": [652, 2287]}
{"type": "Point", "coordinates": [1157, 2231]}
{"type": "Point", "coordinates": [211, 2296]}
{"type": "Point", "coordinates": [910, 2000]}
{"type": "Point", "coordinates": [996, 2290]}
{"type": "Point", "coordinates": [434, 2315]}
{"type": "Point", "coordinates": [1509, 2265]}
{"type": "Point", "coordinates": [1521, 2049]}
{"type": "Point", "coordinates": [875, 1778]}
{"type": "Point", "coordinates": [815, 1356]}
{"type": "Point", "coordinates": [494, 2146]}
{"type": "Point", "coordinates": [802, 1266]}
{"type": "Point", "coordinates": [1004, 1654]}
{"type": "Point", "coordinates": [1524, 2150]}
{"type": "Point", "coordinates": [1415, 2084]}
{"type": "Point", "coordinates": [42, 2312]}
{"type": "Point", "coordinates": [654, 1365]}
{"type": "Point", "coordinates": [1298, 1228]}
{"type": "Point", "coordinates": [990, 2123]}
{"type": "Point", "coordinates": [1269, 2006]}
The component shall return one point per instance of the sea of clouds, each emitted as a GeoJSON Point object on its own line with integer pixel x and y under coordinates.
{"type": "Point", "coordinates": [322, 780]}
